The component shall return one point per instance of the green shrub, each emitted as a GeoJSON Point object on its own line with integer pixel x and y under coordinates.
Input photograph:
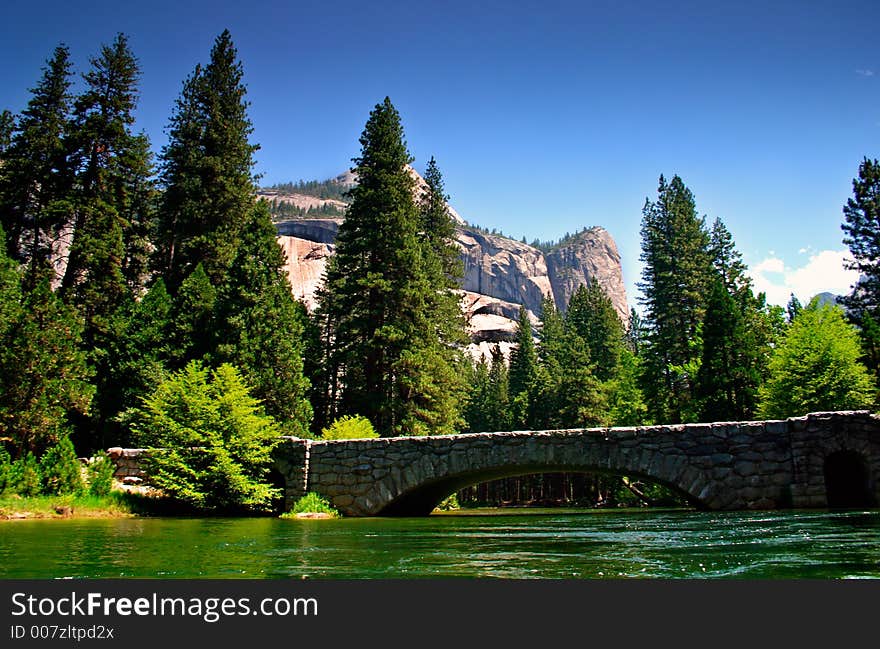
{"type": "Point", "coordinates": [311, 503]}
{"type": "Point", "coordinates": [209, 443]}
{"type": "Point", "coordinates": [448, 504]}
{"type": "Point", "coordinates": [350, 427]}
{"type": "Point", "coordinates": [100, 475]}
{"type": "Point", "coordinates": [24, 476]}
{"type": "Point", "coordinates": [61, 470]}
{"type": "Point", "coordinates": [5, 469]}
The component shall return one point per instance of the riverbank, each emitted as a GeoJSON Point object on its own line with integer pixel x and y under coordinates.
{"type": "Point", "coordinates": [114, 505]}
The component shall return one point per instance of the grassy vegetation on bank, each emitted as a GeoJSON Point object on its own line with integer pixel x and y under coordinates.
{"type": "Point", "coordinates": [116, 504]}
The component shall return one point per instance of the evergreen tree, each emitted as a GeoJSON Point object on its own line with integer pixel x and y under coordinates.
{"type": "Point", "coordinates": [379, 293]}
{"type": "Point", "coordinates": [862, 228]}
{"type": "Point", "coordinates": [726, 386]}
{"type": "Point", "coordinates": [727, 260]}
{"type": "Point", "coordinates": [675, 280]}
{"type": "Point", "coordinates": [523, 371]}
{"type": "Point", "coordinates": [793, 308]}
{"type": "Point", "coordinates": [113, 169]}
{"type": "Point", "coordinates": [592, 316]}
{"type": "Point", "coordinates": [475, 411]}
{"type": "Point", "coordinates": [60, 469]}
{"type": "Point", "coordinates": [7, 128]}
{"type": "Point", "coordinates": [497, 402]}
{"type": "Point", "coordinates": [816, 367]}
{"type": "Point", "coordinates": [206, 169]}
{"type": "Point", "coordinates": [133, 364]}
{"type": "Point", "coordinates": [35, 176]}
{"type": "Point", "coordinates": [259, 327]}
{"type": "Point", "coordinates": [192, 331]}
{"type": "Point", "coordinates": [43, 372]}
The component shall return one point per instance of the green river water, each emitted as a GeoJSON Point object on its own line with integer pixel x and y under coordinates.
{"type": "Point", "coordinates": [561, 544]}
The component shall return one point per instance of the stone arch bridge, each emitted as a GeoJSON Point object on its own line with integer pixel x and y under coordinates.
{"type": "Point", "coordinates": [821, 460]}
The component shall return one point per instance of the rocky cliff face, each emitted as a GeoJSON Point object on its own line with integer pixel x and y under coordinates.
{"type": "Point", "coordinates": [590, 256]}
{"type": "Point", "coordinates": [499, 274]}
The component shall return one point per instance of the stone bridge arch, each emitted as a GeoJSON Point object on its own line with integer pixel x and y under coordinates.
{"type": "Point", "coordinates": [745, 465]}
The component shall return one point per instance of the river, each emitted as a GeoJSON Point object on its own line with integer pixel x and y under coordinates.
{"type": "Point", "coordinates": [559, 543]}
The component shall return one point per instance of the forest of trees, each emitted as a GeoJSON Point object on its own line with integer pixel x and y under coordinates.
{"type": "Point", "coordinates": [144, 301]}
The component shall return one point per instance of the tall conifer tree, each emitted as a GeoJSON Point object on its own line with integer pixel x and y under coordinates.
{"type": "Point", "coordinates": [113, 173]}
{"type": "Point", "coordinates": [35, 176]}
{"type": "Point", "coordinates": [206, 169]}
{"type": "Point", "coordinates": [862, 229]}
{"type": "Point", "coordinates": [387, 354]}
{"type": "Point", "coordinates": [675, 280]}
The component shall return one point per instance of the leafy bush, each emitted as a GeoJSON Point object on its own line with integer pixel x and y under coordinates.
{"type": "Point", "coordinates": [209, 441]}
{"type": "Point", "coordinates": [61, 470]}
{"type": "Point", "coordinates": [350, 427]}
{"type": "Point", "coordinates": [24, 476]}
{"type": "Point", "coordinates": [311, 503]}
{"type": "Point", "coordinates": [100, 475]}
{"type": "Point", "coordinates": [816, 367]}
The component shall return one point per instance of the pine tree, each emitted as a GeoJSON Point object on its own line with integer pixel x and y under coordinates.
{"type": "Point", "coordinates": [674, 284]}
{"type": "Point", "coordinates": [35, 176]}
{"type": "Point", "coordinates": [862, 229]}
{"type": "Point", "coordinates": [43, 372]}
{"type": "Point", "coordinates": [7, 128]}
{"type": "Point", "coordinates": [112, 185]}
{"type": "Point", "coordinates": [592, 316]}
{"type": "Point", "coordinates": [259, 327]}
{"type": "Point", "coordinates": [497, 402]}
{"type": "Point", "coordinates": [523, 371]}
{"type": "Point", "coordinates": [379, 292]}
{"type": "Point", "coordinates": [206, 170]}
{"type": "Point", "coordinates": [192, 331]}
{"type": "Point", "coordinates": [727, 260]}
{"type": "Point", "coordinates": [474, 410]}
{"type": "Point", "coordinates": [133, 364]}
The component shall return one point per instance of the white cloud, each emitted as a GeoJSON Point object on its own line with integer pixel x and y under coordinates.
{"type": "Point", "coordinates": [865, 72]}
{"type": "Point", "coordinates": [770, 265]}
{"type": "Point", "coordinates": [823, 271]}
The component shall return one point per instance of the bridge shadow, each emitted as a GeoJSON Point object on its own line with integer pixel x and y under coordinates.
{"type": "Point", "coordinates": [423, 499]}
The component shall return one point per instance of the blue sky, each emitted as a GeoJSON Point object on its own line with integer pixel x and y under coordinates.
{"type": "Point", "coordinates": [545, 117]}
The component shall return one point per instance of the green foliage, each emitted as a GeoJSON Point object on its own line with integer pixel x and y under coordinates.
{"type": "Point", "coordinates": [133, 363]}
{"type": "Point", "coordinates": [259, 327]}
{"type": "Point", "coordinates": [60, 469]}
{"type": "Point", "coordinates": [112, 167]}
{"type": "Point", "coordinates": [324, 189]}
{"type": "Point", "coordinates": [311, 503]}
{"type": "Point", "coordinates": [385, 311]}
{"type": "Point", "coordinates": [35, 174]}
{"type": "Point", "coordinates": [99, 474]}
{"type": "Point", "coordinates": [5, 470]}
{"type": "Point", "coordinates": [206, 169]}
{"type": "Point", "coordinates": [24, 476]}
{"type": "Point", "coordinates": [592, 316]}
{"type": "Point", "coordinates": [449, 504]}
{"type": "Point", "coordinates": [43, 371]}
{"type": "Point", "coordinates": [816, 367]}
{"type": "Point", "coordinates": [209, 442]}
{"type": "Point", "coordinates": [626, 404]}
{"type": "Point", "coordinates": [862, 229]}
{"type": "Point", "coordinates": [349, 427]}
{"type": "Point", "coordinates": [280, 209]}
{"type": "Point", "coordinates": [675, 280]}
{"type": "Point", "coordinates": [523, 372]}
